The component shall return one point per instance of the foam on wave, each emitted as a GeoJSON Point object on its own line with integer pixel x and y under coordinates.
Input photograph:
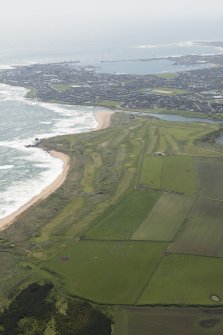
{"type": "Point", "coordinates": [68, 119]}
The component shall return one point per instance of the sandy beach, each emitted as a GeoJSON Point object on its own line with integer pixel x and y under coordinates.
{"type": "Point", "coordinates": [104, 121]}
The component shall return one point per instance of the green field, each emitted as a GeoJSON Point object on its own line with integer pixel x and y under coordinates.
{"type": "Point", "coordinates": [151, 171]}
{"type": "Point", "coordinates": [165, 219]}
{"type": "Point", "coordinates": [168, 91]}
{"type": "Point", "coordinates": [167, 75]}
{"type": "Point", "coordinates": [185, 279]}
{"type": "Point", "coordinates": [60, 87]}
{"type": "Point", "coordinates": [203, 234]}
{"type": "Point", "coordinates": [169, 173]}
{"type": "Point", "coordinates": [107, 271]}
{"type": "Point", "coordinates": [123, 220]}
{"type": "Point", "coordinates": [178, 175]}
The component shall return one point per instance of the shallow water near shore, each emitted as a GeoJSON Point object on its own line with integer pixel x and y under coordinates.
{"type": "Point", "coordinates": [179, 118]}
{"type": "Point", "coordinates": [26, 171]}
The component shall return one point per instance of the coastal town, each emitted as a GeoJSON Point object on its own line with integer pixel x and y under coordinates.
{"type": "Point", "coordinates": [197, 91]}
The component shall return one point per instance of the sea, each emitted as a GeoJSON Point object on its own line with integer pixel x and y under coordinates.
{"type": "Point", "coordinates": [26, 171]}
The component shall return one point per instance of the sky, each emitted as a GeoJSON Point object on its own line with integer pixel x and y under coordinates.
{"type": "Point", "coordinates": [44, 22]}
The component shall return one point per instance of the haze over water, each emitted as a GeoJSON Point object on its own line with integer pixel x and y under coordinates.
{"type": "Point", "coordinates": [115, 54]}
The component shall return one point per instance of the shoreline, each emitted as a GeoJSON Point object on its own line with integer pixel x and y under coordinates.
{"type": "Point", "coordinates": [104, 121]}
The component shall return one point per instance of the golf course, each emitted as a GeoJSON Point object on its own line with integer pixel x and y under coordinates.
{"type": "Point", "coordinates": [137, 223]}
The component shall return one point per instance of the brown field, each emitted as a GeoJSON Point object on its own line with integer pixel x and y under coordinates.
{"type": "Point", "coordinates": [169, 321]}
{"type": "Point", "coordinates": [210, 172]}
{"type": "Point", "coordinates": [203, 234]}
{"type": "Point", "coordinates": [165, 219]}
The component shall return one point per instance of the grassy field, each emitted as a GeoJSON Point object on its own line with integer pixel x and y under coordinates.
{"type": "Point", "coordinates": [168, 91]}
{"type": "Point", "coordinates": [178, 175]}
{"type": "Point", "coordinates": [171, 321]}
{"type": "Point", "coordinates": [185, 279]}
{"type": "Point", "coordinates": [165, 219]}
{"type": "Point", "coordinates": [121, 221]}
{"type": "Point", "coordinates": [203, 234]}
{"type": "Point", "coordinates": [106, 271]}
{"type": "Point", "coordinates": [60, 87]}
{"type": "Point", "coordinates": [151, 171]}
{"type": "Point", "coordinates": [167, 75]}
{"type": "Point", "coordinates": [169, 173]}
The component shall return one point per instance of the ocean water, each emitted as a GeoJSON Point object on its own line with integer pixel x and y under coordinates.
{"type": "Point", "coordinates": [24, 172]}
{"type": "Point", "coordinates": [88, 55]}
{"type": "Point", "coordinates": [130, 58]}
